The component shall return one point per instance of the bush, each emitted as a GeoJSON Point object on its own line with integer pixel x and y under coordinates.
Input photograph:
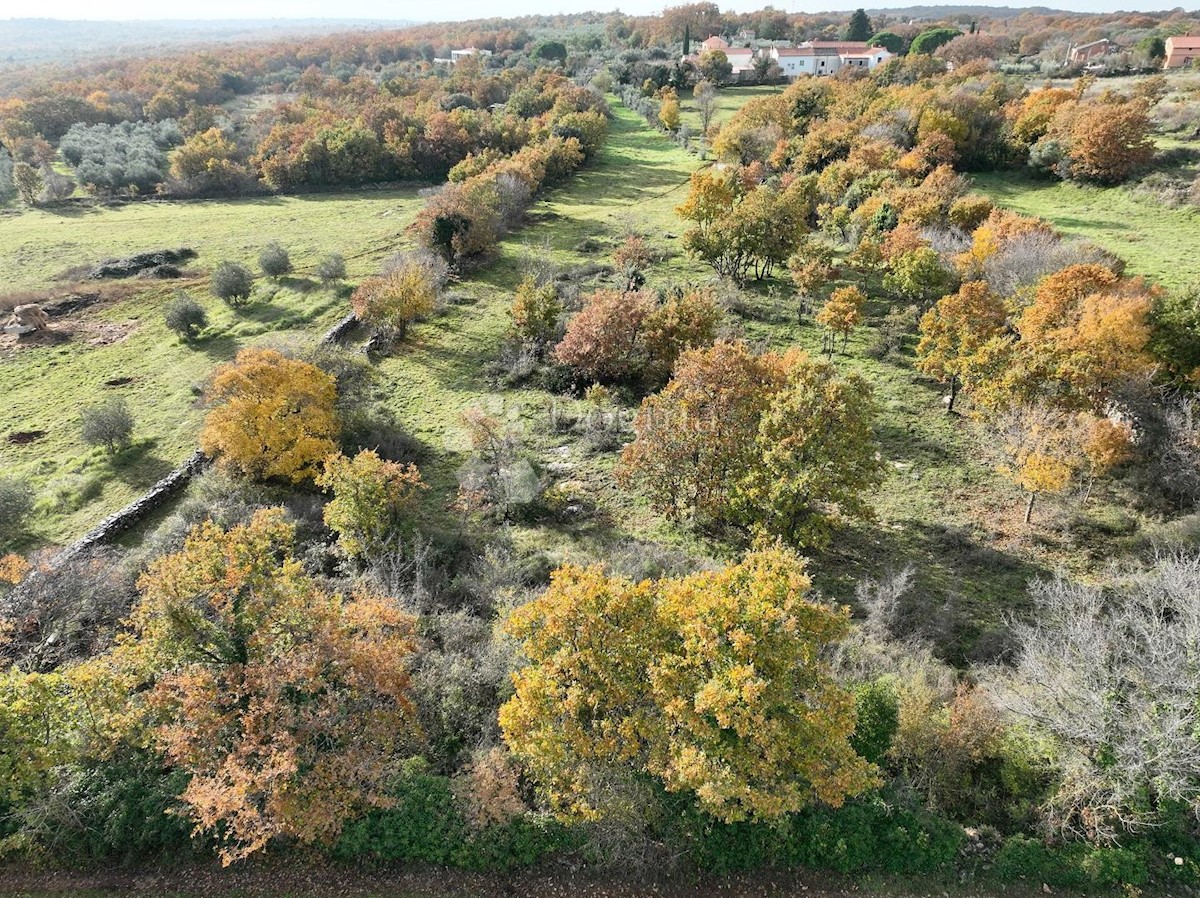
{"type": "Point", "coordinates": [108, 424]}
{"type": "Point", "coordinates": [274, 260]}
{"type": "Point", "coordinates": [332, 269]}
{"type": "Point", "coordinates": [16, 504]}
{"type": "Point", "coordinates": [426, 825]}
{"type": "Point", "coordinates": [1070, 866]}
{"type": "Point", "coordinates": [878, 712]}
{"type": "Point", "coordinates": [185, 316]}
{"type": "Point", "coordinates": [869, 834]}
{"type": "Point", "coordinates": [232, 282]}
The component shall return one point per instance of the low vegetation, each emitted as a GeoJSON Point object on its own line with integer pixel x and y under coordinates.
{"type": "Point", "coordinates": [678, 475]}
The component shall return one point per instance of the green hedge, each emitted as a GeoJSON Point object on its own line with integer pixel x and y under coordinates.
{"type": "Point", "coordinates": [427, 825]}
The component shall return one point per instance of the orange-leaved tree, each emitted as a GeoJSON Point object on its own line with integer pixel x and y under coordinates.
{"type": "Point", "coordinates": [272, 417]}
{"type": "Point", "coordinates": [955, 330]}
{"type": "Point", "coordinates": [715, 684]}
{"type": "Point", "coordinates": [288, 706]}
{"type": "Point", "coordinates": [841, 314]}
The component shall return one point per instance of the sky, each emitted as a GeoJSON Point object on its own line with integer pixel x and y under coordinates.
{"type": "Point", "coordinates": [443, 10]}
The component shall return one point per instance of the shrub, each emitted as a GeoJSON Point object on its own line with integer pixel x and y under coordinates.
{"type": "Point", "coordinates": [232, 282]}
{"type": "Point", "coordinates": [108, 424]}
{"type": "Point", "coordinates": [16, 504]}
{"type": "Point", "coordinates": [332, 269]}
{"type": "Point", "coordinates": [1070, 866]}
{"type": "Point", "coordinates": [185, 316]}
{"type": "Point", "coordinates": [426, 825]}
{"type": "Point", "coordinates": [878, 716]}
{"type": "Point", "coordinates": [274, 260]}
{"type": "Point", "coordinates": [395, 299]}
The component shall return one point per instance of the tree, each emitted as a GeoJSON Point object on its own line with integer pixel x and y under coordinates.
{"type": "Point", "coordinates": [695, 440]}
{"type": "Point", "coordinates": [16, 505]}
{"type": "Point", "coordinates": [841, 314]}
{"type": "Point", "coordinates": [272, 417]}
{"type": "Point", "coordinates": [625, 679]}
{"type": "Point", "coordinates": [1107, 141]}
{"type": "Point", "coordinates": [288, 707]}
{"type": "Point", "coordinates": [535, 311]}
{"type": "Point", "coordinates": [779, 445]}
{"type": "Point", "coordinates": [28, 182]}
{"type": "Point", "coordinates": [274, 260]}
{"type": "Point", "coordinates": [232, 282]}
{"type": "Point", "coordinates": [705, 94]}
{"type": "Point", "coordinates": [715, 66]}
{"type": "Point", "coordinates": [859, 27]}
{"type": "Point", "coordinates": [918, 275]}
{"type": "Point", "coordinates": [372, 500]}
{"type": "Point", "coordinates": [208, 163]}
{"type": "Point", "coordinates": [1104, 671]}
{"type": "Point", "coordinates": [1044, 449]}
{"type": "Point", "coordinates": [890, 41]}
{"type": "Point", "coordinates": [811, 267]}
{"type": "Point", "coordinates": [817, 456]}
{"type": "Point", "coordinates": [396, 298]}
{"type": "Point", "coordinates": [668, 110]}
{"type": "Point", "coordinates": [551, 51]}
{"type": "Point", "coordinates": [185, 316]}
{"type": "Point", "coordinates": [955, 330]}
{"type": "Point", "coordinates": [108, 424]}
{"type": "Point", "coordinates": [929, 40]}
{"type": "Point", "coordinates": [630, 337]}
{"type": "Point", "coordinates": [332, 269]}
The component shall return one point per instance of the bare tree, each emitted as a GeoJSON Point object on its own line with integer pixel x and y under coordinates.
{"type": "Point", "coordinates": [706, 103]}
{"type": "Point", "coordinates": [1111, 676]}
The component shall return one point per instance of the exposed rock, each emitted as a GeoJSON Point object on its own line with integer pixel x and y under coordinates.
{"type": "Point", "coordinates": [129, 266]}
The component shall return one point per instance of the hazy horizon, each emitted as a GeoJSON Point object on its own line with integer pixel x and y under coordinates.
{"type": "Point", "coordinates": [457, 10]}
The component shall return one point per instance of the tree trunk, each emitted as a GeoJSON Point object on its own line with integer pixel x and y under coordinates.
{"type": "Point", "coordinates": [953, 392]}
{"type": "Point", "coordinates": [1029, 508]}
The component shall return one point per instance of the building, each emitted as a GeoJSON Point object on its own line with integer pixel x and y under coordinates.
{"type": "Point", "coordinates": [827, 57]}
{"type": "Point", "coordinates": [1085, 53]}
{"type": "Point", "coordinates": [457, 56]}
{"type": "Point", "coordinates": [715, 43]}
{"type": "Point", "coordinates": [741, 58]}
{"type": "Point", "coordinates": [1182, 50]}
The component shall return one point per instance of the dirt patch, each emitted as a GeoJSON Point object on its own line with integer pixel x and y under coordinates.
{"type": "Point", "coordinates": [119, 382]}
{"type": "Point", "coordinates": [52, 336]}
{"type": "Point", "coordinates": [97, 333]}
{"type": "Point", "coordinates": [24, 437]}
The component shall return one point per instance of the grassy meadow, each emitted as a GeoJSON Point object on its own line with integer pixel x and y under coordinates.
{"type": "Point", "coordinates": [1157, 242]}
{"type": "Point", "coordinates": [943, 507]}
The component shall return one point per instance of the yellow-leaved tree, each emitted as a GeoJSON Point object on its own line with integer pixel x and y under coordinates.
{"type": "Point", "coordinates": [714, 683]}
{"type": "Point", "coordinates": [841, 314]}
{"type": "Point", "coordinates": [272, 417]}
{"type": "Point", "coordinates": [954, 332]}
{"type": "Point", "coordinates": [372, 499]}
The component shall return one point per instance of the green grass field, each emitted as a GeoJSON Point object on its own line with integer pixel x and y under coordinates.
{"type": "Point", "coordinates": [1157, 242]}
{"type": "Point", "coordinates": [943, 508]}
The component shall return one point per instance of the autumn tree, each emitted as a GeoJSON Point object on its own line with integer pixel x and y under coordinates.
{"type": "Point", "coordinates": [1105, 141]}
{"type": "Point", "coordinates": [535, 311]}
{"type": "Point", "coordinates": [811, 267]}
{"type": "Point", "coordinates": [1043, 451]}
{"type": "Point", "coordinates": [28, 182]}
{"type": "Point", "coordinates": [626, 679]}
{"type": "Point", "coordinates": [841, 314]}
{"type": "Point", "coordinates": [695, 440]}
{"type": "Point", "coordinates": [289, 707]}
{"type": "Point", "coordinates": [780, 445]}
{"type": "Point", "coordinates": [272, 417]}
{"type": "Point", "coordinates": [373, 500]}
{"type": "Point", "coordinates": [955, 330]}
{"type": "Point", "coordinates": [918, 275]}
{"type": "Point", "coordinates": [715, 66]}
{"type": "Point", "coordinates": [393, 300]}
{"type": "Point", "coordinates": [631, 337]}
{"type": "Point", "coordinates": [817, 456]}
{"type": "Point", "coordinates": [668, 109]}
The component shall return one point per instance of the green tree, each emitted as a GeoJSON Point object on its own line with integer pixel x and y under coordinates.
{"type": "Point", "coordinates": [889, 40]}
{"type": "Point", "coordinates": [372, 502]}
{"type": "Point", "coordinates": [932, 38]}
{"type": "Point", "coordinates": [859, 28]}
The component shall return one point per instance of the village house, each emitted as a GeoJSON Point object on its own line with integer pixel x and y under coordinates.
{"type": "Point", "coordinates": [457, 56]}
{"type": "Point", "coordinates": [827, 57]}
{"type": "Point", "coordinates": [1087, 52]}
{"type": "Point", "coordinates": [1182, 50]}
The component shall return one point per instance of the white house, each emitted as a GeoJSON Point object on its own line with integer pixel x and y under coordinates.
{"type": "Point", "coordinates": [457, 56]}
{"type": "Point", "coordinates": [827, 57]}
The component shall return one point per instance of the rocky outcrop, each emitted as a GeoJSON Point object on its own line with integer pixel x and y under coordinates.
{"type": "Point", "coordinates": [339, 331]}
{"type": "Point", "coordinates": [162, 260]}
